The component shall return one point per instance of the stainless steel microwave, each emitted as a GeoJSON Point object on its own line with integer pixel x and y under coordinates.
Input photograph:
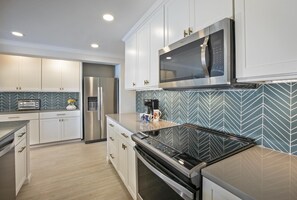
{"type": "Point", "coordinates": [204, 59]}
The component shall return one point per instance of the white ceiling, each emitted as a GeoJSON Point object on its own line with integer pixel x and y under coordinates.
{"type": "Point", "coordinates": [71, 24]}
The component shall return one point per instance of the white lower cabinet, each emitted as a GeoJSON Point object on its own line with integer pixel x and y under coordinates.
{"type": "Point", "coordinates": [22, 167]}
{"type": "Point", "coordinates": [20, 164]}
{"type": "Point", "coordinates": [212, 191]}
{"type": "Point", "coordinates": [59, 126]}
{"type": "Point", "coordinates": [33, 124]}
{"type": "Point", "coordinates": [121, 154]}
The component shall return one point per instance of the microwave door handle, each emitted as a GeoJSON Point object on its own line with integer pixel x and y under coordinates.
{"type": "Point", "coordinates": [182, 191]}
{"type": "Point", "coordinates": [203, 57]}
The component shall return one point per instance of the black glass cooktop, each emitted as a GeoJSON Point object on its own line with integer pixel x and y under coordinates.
{"type": "Point", "coordinates": [190, 145]}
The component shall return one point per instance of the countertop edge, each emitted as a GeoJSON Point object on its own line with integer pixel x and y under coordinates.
{"type": "Point", "coordinates": [226, 186]}
{"type": "Point", "coordinates": [19, 126]}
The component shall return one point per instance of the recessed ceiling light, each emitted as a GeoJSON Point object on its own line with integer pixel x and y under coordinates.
{"type": "Point", "coordinates": [18, 34]}
{"type": "Point", "coordinates": [94, 45]}
{"type": "Point", "coordinates": [168, 58]}
{"type": "Point", "coordinates": [108, 17]}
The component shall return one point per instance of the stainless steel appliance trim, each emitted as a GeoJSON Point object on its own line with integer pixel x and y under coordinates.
{"type": "Point", "coordinates": [227, 79]}
{"type": "Point", "coordinates": [203, 57]}
{"type": "Point", "coordinates": [173, 163]}
{"type": "Point", "coordinates": [99, 103]}
{"type": "Point", "coordinates": [182, 191]}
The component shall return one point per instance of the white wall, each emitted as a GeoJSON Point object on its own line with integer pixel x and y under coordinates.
{"type": "Point", "coordinates": [126, 98]}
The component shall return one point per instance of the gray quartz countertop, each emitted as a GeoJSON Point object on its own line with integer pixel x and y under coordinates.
{"type": "Point", "coordinates": [257, 173]}
{"type": "Point", "coordinates": [6, 128]}
{"type": "Point", "coordinates": [132, 122]}
{"type": "Point", "coordinates": [34, 111]}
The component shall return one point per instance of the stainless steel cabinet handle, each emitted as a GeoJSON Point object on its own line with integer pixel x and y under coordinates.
{"type": "Point", "coordinates": [111, 138]}
{"type": "Point", "coordinates": [124, 146]}
{"type": "Point", "coordinates": [22, 149]}
{"type": "Point", "coordinates": [125, 135]}
{"type": "Point", "coordinates": [203, 57]}
{"type": "Point", "coordinates": [111, 156]}
{"type": "Point", "coordinates": [111, 125]}
{"type": "Point", "coordinates": [21, 134]}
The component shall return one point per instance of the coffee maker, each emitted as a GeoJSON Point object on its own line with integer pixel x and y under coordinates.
{"type": "Point", "coordinates": [151, 104]}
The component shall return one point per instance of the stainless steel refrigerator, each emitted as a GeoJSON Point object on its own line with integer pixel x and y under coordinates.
{"type": "Point", "coordinates": [100, 98]}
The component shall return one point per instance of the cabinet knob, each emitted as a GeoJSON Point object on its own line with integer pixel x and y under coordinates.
{"type": "Point", "coordinates": [133, 84]}
{"type": "Point", "coordinates": [21, 134]}
{"type": "Point", "coordinates": [22, 149]}
{"type": "Point", "coordinates": [124, 146]}
{"type": "Point", "coordinates": [20, 87]}
{"type": "Point", "coordinates": [190, 30]}
{"type": "Point", "coordinates": [124, 134]}
{"type": "Point", "coordinates": [111, 125]}
{"type": "Point", "coordinates": [111, 156]}
{"type": "Point", "coordinates": [111, 138]}
{"type": "Point", "coordinates": [186, 33]}
{"type": "Point", "coordinates": [17, 88]}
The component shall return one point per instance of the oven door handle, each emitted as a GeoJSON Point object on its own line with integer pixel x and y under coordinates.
{"type": "Point", "coordinates": [182, 191]}
{"type": "Point", "coordinates": [8, 146]}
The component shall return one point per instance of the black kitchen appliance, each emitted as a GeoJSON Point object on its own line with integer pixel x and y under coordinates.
{"type": "Point", "coordinates": [151, 104]}
{"type": "Point", "coordinates": [169, 160]}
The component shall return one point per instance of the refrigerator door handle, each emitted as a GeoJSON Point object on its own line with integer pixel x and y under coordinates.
{"type": "Point", "coordinates": [100, 103]}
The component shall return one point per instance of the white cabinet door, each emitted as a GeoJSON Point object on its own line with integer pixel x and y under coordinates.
{"type": "Point", "coordinates": [143, 51]}
{"type": "Point", "coordinates": [131, 171]}
{"type": "Point", "coordinates": [265, 40]}
{"type": "Point", "coordinates": [30, 74]}
{"type": "Point", "coordinates": [50, 130]}
{"type": "Point", "coordinates": [212, 191]}
{"type": "Point", "coordinates": [51, 75]}
{"type": "Point", "coordinates": [123, 160]}
{"type": "Point", "coordinates": [34, 131]}
{"type": "Point", "coordinates": [208, 12]}
{"type": "Point", "coordinates": [70, 76]}
{"type": "Point", "coordinates": [178, 18]}
{"type": "Point", "coordinates": [20, 164]}
{"type": "Point", "coordinates": [9, 71]}
{"type": "Point", "coordinates": [130, 62]}
{"type": "Point", "coordinates": [70, 128]}
{"type": "Point", "coordinates": [156, 43]}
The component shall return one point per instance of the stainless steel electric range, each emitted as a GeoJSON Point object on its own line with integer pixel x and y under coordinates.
{"type": "Point", "coordinates": [169, 160]}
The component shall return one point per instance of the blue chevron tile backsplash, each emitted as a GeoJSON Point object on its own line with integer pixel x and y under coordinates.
{"type": "Point", "coordinates": [267, 114]}
{"type": "Point", "coordinates": [49, 100]}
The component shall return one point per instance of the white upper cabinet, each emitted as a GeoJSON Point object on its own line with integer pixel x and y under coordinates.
{"type": "Point", "coordinates": [143, 51]}
{"type": "Point", "coordinates": [60, 75]}
{"type": "Point", "coordinates": [156, 43]}
{"type": "Point", "coordinates": [179, 20]}
{"type": "Point", "coordinates": [266, 40]}
{"type": "Point", "coordinates": [208, 12]}
{"type": "Point", "coordinates": [18, 73]}
{"type": "Point", "coordinates": [130, 62]}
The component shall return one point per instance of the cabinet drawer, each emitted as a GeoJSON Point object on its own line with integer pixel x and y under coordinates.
{"type": "Point", "coordinates": [48, 115]}
{"type": "Point", "coordinates": [126, 135]}
{"type": "Point", "coordinates": [20, 135]}
{"type": "Point", "coordinates": [112, 125]}
{"type": "Point", "coordinates": [18, 117]}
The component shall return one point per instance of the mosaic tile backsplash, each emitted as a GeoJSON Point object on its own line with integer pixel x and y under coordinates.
{"type": "Point", "coordinates": [267, 114]}
{"type": "Point", "coordinates": [49, 100]}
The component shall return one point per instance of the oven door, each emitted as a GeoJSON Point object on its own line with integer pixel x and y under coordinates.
{"type": "Point", "coordinates": [154, 181]}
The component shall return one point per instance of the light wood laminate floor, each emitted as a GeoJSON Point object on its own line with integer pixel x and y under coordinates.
{"type": "Point", "coordinates": [73, 171]}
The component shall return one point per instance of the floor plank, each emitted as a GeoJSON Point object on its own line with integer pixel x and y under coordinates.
{"type": "Point", "coordinates": [72, 172]}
